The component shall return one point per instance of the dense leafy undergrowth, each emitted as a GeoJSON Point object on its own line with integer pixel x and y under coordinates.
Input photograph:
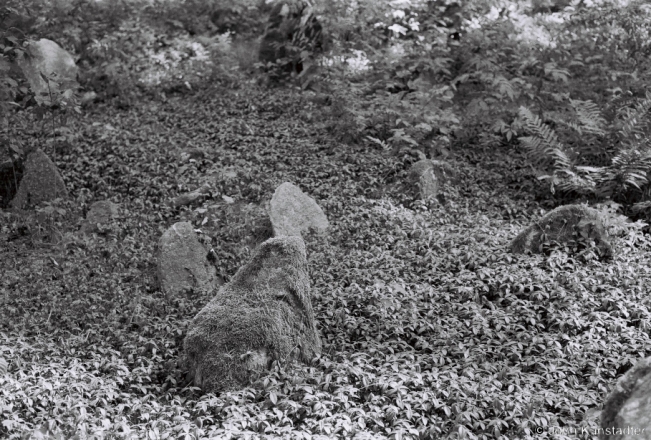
{"type": "Point", "coordinates": [431, 328]}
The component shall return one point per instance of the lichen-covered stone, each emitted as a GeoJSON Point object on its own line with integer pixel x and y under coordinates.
{"type": "Point", "coordinates": [183, 262]}
{"type": "Point", "coordinates": [627, 412]}
{"type": "Point", "coordinates": [41, 182]}
{"type": "Point", "coordinates": [292, 212]}
{"type": "Point", "coordinates": [562, 225]}
{"type": "Point", "coordinates": [263, 314]}
{"type": "Point", "coordinates": [426, 178]}
{"type": "Point", "coordinates": [102, 212]}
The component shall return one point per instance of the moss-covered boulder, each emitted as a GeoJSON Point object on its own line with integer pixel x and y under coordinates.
{"type": "Point", "coordinates": [627, 411]}
{"type": "Point", "coordinates": [565, 224]}
{"type": "Point", "coordinates": [263, 314]}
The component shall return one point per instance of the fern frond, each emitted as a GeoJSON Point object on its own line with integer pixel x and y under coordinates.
{"type": "Point", "coordinates": [634, 119]}
{"type": "Point", "coordinates": [503, 87]}
{"type": "Point", "coordinates": [589, 116]}
{"type": "Point", "coordinates": [543, 142]}
{"type": "Point", "coordinates": [630, 168]}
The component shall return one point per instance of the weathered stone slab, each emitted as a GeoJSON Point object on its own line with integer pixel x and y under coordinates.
{"type": "Point", "coordinates": [426, 178]}
{"type": "Point", "coordinates": [41, 182]}
{"type": "Point", "coordinates": [292, 212]}
{"type": "Point", "coordinates": [183, 261]}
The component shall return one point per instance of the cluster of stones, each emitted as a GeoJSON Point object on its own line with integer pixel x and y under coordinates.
{"type": "Point", "coordinates": [264, 313]}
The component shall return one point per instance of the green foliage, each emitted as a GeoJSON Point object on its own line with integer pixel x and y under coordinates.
{"type": "Point", "coordinates": [430, 327]}
{"type": "Point", "coordinates": [623, 180]}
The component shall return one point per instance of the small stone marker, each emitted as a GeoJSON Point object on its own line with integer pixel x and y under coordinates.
{"type": "Point", "coordinates": [48, 58]}
{"type": "Point", "coordinates": [41, 182]}
{"type": "Point", "coordinates": [102, 212]}
{"type": "Point", "coordinates": [183, 261]}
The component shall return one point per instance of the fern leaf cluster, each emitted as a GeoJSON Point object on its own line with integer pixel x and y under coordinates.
{"type": "Point", "coordinates": [543, 140]}
{"type": "Point", "coordinates": [635, 120]}
{"type": "Point", "coordinates": [589, 117]}
{"type": "Point", "coordinates": [628, 174]}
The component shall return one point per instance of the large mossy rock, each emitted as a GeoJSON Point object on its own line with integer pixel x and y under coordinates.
{"type": "Point", "coordinates": [183, 262]}
{"type": "Point", "coordinates": [48, 58]}
{"type": "Point", "coordinates": [41, 182]}
{"type": "Point", "coordinates": [263, 314]}
{"type": "Point", "coordinates": [292, 212]}
{"type": "Point", "coordinates": [565, 224]}
{"type": "Point", "coordinates": [627, 412]}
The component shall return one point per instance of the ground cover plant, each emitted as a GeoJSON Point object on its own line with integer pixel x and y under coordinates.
{"type": "Point", "coordinates": [431, 328]}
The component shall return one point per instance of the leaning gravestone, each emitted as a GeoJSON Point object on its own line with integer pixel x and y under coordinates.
{"type": "Point", "coordinates": [48, 58]}
{"type": "Point", "coordinates": [41, 182]}
{"type": "Point", "coordinates": [263, 314]}
{"type": "Point", "coordinates": [100, 214]}
{"type": "Point", "coordinates": [562, 225]}
{"type": "Point", "coordinates": [292, 212]}
{"type": "Point", "coordinates": [183, 262]}
{"type": "Point", "coordinates": [627, 412]}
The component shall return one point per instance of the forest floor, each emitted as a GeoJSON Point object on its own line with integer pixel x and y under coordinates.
{"type": "Point", "coordinates": [431, 328]}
